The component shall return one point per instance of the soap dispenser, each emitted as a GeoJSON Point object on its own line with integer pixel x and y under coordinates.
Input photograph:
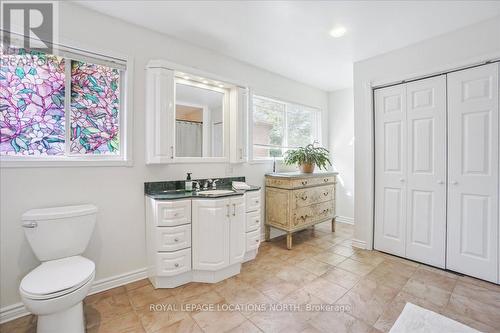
{"type": "Point", "coordinates": [189, 183]}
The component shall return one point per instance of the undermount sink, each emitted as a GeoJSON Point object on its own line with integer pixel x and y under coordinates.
{"type": "Point", "coordinates": [215, 192]}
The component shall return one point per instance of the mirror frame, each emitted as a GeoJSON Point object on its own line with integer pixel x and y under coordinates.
{"type": "Point", "coordinates": [225, 123]}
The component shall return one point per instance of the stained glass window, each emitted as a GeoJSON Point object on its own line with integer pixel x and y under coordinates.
{"type": "Point", "coordinates": [94, 109]}
{"type": "Point", "coordinates": [32, 118]}
{"type": "Point", "coordinates": [34, 113]}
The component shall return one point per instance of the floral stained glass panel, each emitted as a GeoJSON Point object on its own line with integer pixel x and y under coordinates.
{"type": "Point", "coordinates": [94, 109]}
{"type": "Point", "coordinates": [32, 118]}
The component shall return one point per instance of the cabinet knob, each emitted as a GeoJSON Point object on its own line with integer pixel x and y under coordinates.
{"type": "Point", "coordinates": [176, 265]}
{"type": "Point", "coordinates": [257, 201]}
{"type": "Point", "coordinates": [256, 241]}
{"type": "Point", "coordinates": [176, 239]}
{"type": "Point", "coordinates": [176, 214]}
{"type": "Point", "coordinates": [257, 221]}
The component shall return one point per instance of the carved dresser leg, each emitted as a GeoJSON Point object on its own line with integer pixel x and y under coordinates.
{"type": "Point", "coordinates": [267, 231]}
{"type": "Point", "coordinates": [289, 240]}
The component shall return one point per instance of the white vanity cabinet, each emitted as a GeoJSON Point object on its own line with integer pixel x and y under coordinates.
{"type": "Point", "coordinates": [218, 233]}
{"type": "Point", "coordinates": [200, 239]}
{"type": "Point", "coordinates": [253, 222]}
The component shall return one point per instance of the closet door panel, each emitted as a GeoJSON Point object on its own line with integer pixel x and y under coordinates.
{"type": "Point", "coordinates": [473, 172]}
{"type": "Point", "coordinates": [390, 169]}
{"type": "Point", "coordinates": [426, 187]}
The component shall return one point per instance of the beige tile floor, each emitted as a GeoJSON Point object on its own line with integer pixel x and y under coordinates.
{"type": "Point", "coordinates": [322, 268]}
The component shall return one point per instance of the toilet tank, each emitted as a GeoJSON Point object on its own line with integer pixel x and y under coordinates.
{"type": "Point", "coordinates": [59, 232]}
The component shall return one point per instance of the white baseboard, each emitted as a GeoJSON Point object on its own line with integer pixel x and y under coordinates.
{"type": "Point", "coordinates": [358, 243]}
{"type": "Point", "coordinates": [344, 219]}
{"type": "Point", "coordinates": [13, 311]}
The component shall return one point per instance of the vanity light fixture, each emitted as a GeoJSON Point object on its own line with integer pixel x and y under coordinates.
{"type": "Point", "coordinates": [338, 31]}
{"type": "Point", "coordinates": [205, 81]}
{"type": "Point", "coordinates": [186, 77]}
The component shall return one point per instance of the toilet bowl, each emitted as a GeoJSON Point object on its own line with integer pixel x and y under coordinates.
{"type": "Point", "coordinates": [54, 290]}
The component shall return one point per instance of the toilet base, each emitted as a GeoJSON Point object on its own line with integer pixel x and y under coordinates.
{"type": "Point", "coordinates": [68, 321]}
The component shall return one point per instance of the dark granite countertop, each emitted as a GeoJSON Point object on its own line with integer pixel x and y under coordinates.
{"type": "Point", "coordinates": [174, 190]}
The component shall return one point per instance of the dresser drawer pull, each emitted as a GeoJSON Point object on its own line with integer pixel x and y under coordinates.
{"type": "Point", "coordinates": [325, 180]}
{"type": "Point", "coordinates": [176, 265]}
{"type": "Point", "coordinates": [304, 197]}
{"type": "Point", "coordinates": [304, 182]}
{"type": "Point", "coordinates": [303, 217]}
{"type": "Point", "coordinates": [325, 193]}
{"type": "Point", "coordinates": [326, 210]}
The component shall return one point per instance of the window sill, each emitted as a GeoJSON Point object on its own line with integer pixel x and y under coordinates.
{"type": "Point", "coordinates": [6, 163]}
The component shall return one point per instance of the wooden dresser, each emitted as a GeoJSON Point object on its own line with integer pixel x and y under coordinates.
{"type": "Point", "coordinates": [295, 201]}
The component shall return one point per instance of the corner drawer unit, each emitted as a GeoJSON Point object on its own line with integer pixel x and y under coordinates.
{"type": "Point", "coordinates": [295, 201]}
{"type": "Point", "coordinates": [253, 222]}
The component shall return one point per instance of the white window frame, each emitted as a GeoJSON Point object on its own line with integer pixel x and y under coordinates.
{"type": "Point", "coordinates": [316, 135]}
{"type": "Point", "coordinates": [125, 116]}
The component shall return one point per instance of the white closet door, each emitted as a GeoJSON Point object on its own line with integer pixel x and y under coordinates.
{"type": "Point", "coordinates": [390, 169]}
{"type": "Point", "coordinates": [473, 172]}
{"type": "Point", "coordinates": [426, 180]}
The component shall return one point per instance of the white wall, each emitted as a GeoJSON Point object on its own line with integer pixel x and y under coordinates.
{"type": "Point", "coordinates": [118, 243]}
{"type": "Point", "coordinates": [341, 146]}
{"type": "Point", "coordinates": [479, 42]}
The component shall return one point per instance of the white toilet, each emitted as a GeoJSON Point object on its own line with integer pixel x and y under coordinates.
{"type": "Point", "coordinates": [55, 290]}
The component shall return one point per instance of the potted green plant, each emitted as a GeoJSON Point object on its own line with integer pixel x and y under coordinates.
{"type": "Point", "coordinates": [307, 157]}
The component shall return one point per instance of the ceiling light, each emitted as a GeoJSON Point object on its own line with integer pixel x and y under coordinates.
{"type": "Point", "coordinates": [338, 31]}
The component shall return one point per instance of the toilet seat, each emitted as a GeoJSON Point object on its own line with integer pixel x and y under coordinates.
{"type": "Point", "coordinates": [56, 278]}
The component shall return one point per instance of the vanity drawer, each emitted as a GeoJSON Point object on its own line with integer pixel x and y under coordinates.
{"type": "Point", "coordinates": [173, 238]}
{"type": "Point", "coordinates": [173, 263]}
{"type": "Point", "coordinates": [173, 213]}
{"type": "Point", "coordinates": [253, 240]}
{"type": "Point", "coordinates": [313, 195]}
{"type": "Point", "coordinates": [253, 220]}
{"type": "Point", "coordinates": [252, 200]}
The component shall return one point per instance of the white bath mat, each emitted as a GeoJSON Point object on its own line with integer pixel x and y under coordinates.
{"type": "Point", "coordinates": [414, 319]}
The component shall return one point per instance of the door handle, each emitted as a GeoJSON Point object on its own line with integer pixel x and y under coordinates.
{"type": "Point", "coordinates": [234, 209]}
{"type": "Point", "coordinates": [227, 214]}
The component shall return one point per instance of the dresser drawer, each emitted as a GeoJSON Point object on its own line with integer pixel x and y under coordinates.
{"type": "Point", "coordinates": [253, 220]}
{"type": "Point", "coordinates": [173, 263]}
{"type": "Point", "coordinates": [173, 213]}
{"type": "Point", "coordinates": [313, 213]}
{"type": "Point", "coordinates": [253, 240]}
{"type": "Point", "coordinates": [313, 195]}
{"type": "Point", "coordinates": [252, 200]}
{"type": "Point", "coordinates": [306, 182]}
{"type": "Point", "coordinates": [173, 238]}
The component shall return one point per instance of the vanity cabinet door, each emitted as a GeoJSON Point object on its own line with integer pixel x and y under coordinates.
{"type": "Point", "coordinates": [238, 118]}
{"type": "Point", "coordinates": [237, 230]}
{"type": "Point", "coordinates": [210, 232]}
{"type": "Point", "coordinates": [160, 115]}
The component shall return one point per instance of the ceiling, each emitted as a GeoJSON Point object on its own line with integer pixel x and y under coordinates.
{"type": "Point", "coordinates": [292, 38]}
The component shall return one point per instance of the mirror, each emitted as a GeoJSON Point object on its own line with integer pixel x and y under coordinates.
{"type": "Point", "coordinates": [199, 128]}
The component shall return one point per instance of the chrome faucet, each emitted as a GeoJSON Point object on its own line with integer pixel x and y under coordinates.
{"type": "Point", "coordinates": [197, 187]}
{"type": "Point", "coordinates": [214, 184]}
{"type": "Point", "coordinates": [207, 183]}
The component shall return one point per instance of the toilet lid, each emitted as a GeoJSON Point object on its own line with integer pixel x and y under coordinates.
{"type": "Point", "coordinates": [57, 277]}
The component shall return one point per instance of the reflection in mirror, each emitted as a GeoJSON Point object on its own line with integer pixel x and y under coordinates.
{"type": "Point", "coordinates": [198, 122]}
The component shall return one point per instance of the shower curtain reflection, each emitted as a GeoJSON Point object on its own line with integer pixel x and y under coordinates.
{"type": "Point", "coordinates": [188, 138]}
